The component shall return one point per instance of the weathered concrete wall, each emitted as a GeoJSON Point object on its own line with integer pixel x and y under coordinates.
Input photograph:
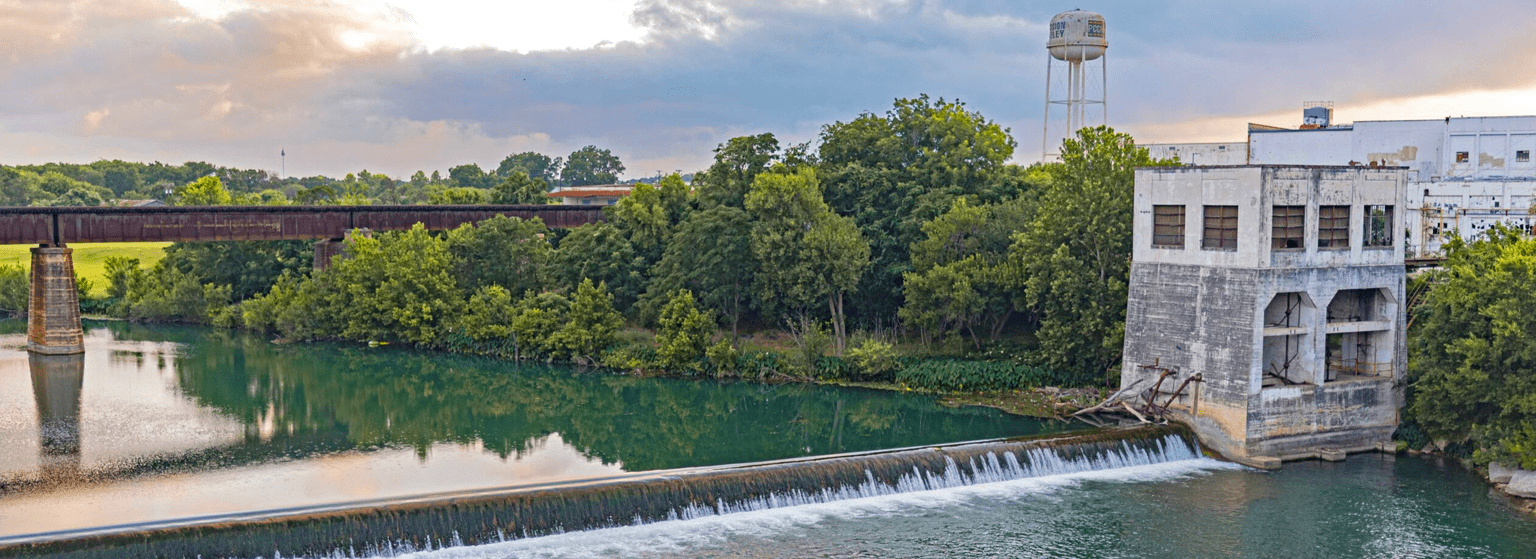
{"type": "Point", "coordinates": [1197, 320]}
{"type": "Point", "coordinates": [53, 315]}
{"type": "Point", "coordinates": [1296, 421]}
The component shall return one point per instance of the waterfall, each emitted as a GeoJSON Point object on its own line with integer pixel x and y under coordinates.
{"type": "Point", "coordinates": [435, 521]}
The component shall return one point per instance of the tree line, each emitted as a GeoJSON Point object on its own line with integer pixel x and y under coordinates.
{"type": "Point", "coordinates": [520, 178]}
{"type": "Point", "coordinates": [895, 235]}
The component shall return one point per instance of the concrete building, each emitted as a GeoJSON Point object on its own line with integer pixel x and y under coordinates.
{"type": "Point", "coordinates": [1464, 174]}
{"type": "Point", "coordinates": [598, 195]}
{"type": "Point", "coordinates": [1282, 288]}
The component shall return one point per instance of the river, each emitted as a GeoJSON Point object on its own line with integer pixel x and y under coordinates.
{"type": "Point", "coordinates": [160, 423]}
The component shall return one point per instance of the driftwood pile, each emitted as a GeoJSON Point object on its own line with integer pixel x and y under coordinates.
{"type": "Point", "coordinates": [1140, 401]}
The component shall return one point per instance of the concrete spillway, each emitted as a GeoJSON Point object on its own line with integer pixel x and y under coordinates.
{"type": "Point", "coordinates": [498, 514]}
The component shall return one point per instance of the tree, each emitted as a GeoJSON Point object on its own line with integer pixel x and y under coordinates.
{"type": "Point", "coordinates": [711, 256]}
{"type": "Point", "coordinates": [804, 252]}
{"type": "Point", "coordinates": [737, 162]}
{"type": "Point", "coordinates": [894, 172]}
{"type": "Point", "coordinates": [959, 276]}
{"type": "Point", "coordinates": [838, 256]}
{"type": "Point", "coordinates": [459, 197]}
{"type": "Point", "coordinates": [206, 191]}
{"type": "Point", "coordinates": [470, 176]}
{"type": "Point", "coordinates": [599, 251]}
{"type": "Point", "coordinates": [785, 207]}
{"type": "Point", "coordinates": [1073, 259]}
{"type": "Point", "coordinates": [648, 215]}
{"type": "Point", "coordinates": [504, 251]}
{"type": "Point", "coordinates": [519, 188]}
{"type": "Point", "coordinates": [536, 165]}
{"type": "Point", "coordinates": [1471, 353]}
{"type": "Point", "coordinates": [490, 315]}
{"type": "Point", "coordinates": [592, 322]}
{"type": "Point", "coordinates": [590, 165]}
{"type": "Point", "coordinates": [398, 287]}
{"type": "Point", "coordinates": [684, 333]}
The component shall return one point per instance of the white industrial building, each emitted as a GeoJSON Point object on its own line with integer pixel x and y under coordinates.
{"type": "Point", "coordinates": [1464, 173]}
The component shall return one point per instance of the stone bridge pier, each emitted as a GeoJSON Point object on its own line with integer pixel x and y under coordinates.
{"type": "Point", "coordinates": [53, 310]}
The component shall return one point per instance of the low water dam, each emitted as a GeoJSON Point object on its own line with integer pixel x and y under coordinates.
{"type": "Point", "coordinates": [497, 515]}
{"type": "Point", "coordinates": [185, 442]}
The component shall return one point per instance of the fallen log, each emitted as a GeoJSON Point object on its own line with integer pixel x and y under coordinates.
{"type": "Point", "coordinates": [1113, 399]}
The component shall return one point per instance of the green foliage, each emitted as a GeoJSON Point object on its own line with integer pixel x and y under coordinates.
{"type": "Point", "coordinates": [206, 191]}
{"type": "Point", "coordinates": [507, 251]}
{"type": "Point", "coordinates": [600, 252]}
{"type": "Point", "coordinates": [648, 215]}
{"type": "Point", "coordinates": [589, 166]}
{"type": "Point", "coordinates": [1472, 354]}
{"type": "Point", "coordinates": [723, 358]}
{"type": "Point", "coordinates": [894, 172]}
{"type": "Point", "coordinates": [399, 286]}
{"type": "Point", "coordinates": [684, 334]}
{"type": "Point", "coordinates": [471, 177]}
{"type": "Point", "coordinates": [538, 322]}
{"type": "Point", "coordinates": [459, 197]}
{"type": "Point", "coordinates": [591, 325]}
{"type": "Point", "coordinates": [519, 188]}
{"type": "Point", "coordinates": [247, 267]}
{"type": "Point", "coordinates": [872, 360]}
{"type": "Point", "coordinates": [537, 166]}
{"type": "Point", "coordinates": [973, 376]}
{"type": "Point", "coordinates": [1073, 259]}
{"type": "Point", "coordinates": [15, 289]}
{"type": "Point", "coordinates": [490, 314]}
{"type": "Point", "coordinates": [738, 161]}
{"type": "Point", "coordinates": [784, 207]}
{"type": "Point", "coordinates": [710, 256]}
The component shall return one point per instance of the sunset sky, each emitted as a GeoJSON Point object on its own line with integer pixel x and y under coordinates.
{"type": "Point", "coordinates": [404, 85]}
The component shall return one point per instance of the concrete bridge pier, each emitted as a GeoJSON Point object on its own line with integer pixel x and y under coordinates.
{"type": "Point", "coordinates": [53, 311]}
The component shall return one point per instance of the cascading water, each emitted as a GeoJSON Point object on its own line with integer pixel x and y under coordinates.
{"type": "Point", "coordinates": [495, 515]}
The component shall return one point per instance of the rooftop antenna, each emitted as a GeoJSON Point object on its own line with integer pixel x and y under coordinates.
{"type": "Point", "coordinates": [1077, 38]}
{"type": "Point", "coordinates": [284, 154]}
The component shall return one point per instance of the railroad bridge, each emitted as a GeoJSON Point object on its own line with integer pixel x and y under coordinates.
{"type": "Point", "coordinates": [53, 317]}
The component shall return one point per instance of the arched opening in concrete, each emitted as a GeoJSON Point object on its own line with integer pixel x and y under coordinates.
{"type": "Point", "coordinates": [1288, 353]}
{"type": "Point", "coordinates": [1360, 339]}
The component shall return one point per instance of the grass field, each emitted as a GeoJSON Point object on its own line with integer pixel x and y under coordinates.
{"type": "Point", "coordinates": [90, 258]}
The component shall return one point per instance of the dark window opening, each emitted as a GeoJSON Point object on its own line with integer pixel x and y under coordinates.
{"type": "Point", "coordinates": [1286, 231]}
{"type": "Point", "coordinates": [1463, 157]}
{"type": "Point", "coordinates": [1378, 226]}
{"type": "Point", "coordinates": [1333, 227]}
{"type": "Point", "coordinates": [1168, 226]}
{"type": "Point", "coordinates": [1523, 156]}
{"type": "Point", "coordinates": [1220, 228]}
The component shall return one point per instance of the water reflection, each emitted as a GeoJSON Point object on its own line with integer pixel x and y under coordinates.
{"type": "Point", "coordinates": [165, 422]}
{"type": "Point", "coordinates": [56, 382]}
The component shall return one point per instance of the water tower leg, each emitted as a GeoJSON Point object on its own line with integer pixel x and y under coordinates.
{"type": "Point", "coordinates": [53, 311]}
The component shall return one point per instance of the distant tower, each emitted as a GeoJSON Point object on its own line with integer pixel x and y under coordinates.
{"type": "Point", "coordinates": [1077, 38]}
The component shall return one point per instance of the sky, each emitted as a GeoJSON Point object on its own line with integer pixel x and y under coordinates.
{"type": "Point", "coordinates": [396, 86]}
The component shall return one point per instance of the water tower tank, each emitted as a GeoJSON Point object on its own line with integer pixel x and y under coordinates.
{"type": "Point", "coordinates": [1077, 36]}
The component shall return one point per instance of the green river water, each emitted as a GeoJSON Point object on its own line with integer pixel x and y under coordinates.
{"type": "Point", "coordinates": [161, 423]}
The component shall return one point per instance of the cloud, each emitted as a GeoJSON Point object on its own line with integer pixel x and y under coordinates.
{"type": "Point", "coordinates": [344, 86]}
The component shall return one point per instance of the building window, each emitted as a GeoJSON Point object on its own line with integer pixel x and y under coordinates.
{"type": "Point", "coordinates": [1095, 29]}
{"type": "Point", "coordinates": [1463, 157]}
{"type": "Point", "coordinates": [1378, 226]}
{"type": "Point", "coordinates": [1523, 156]}
{"type": "Point", "coordinates": [1168, 226]}
{"type": "Point", "coordinates": [1286, 231]}
{"type": "Point", "coordinates": [1333, 227]}
{"type": "Point", "coordinates": [1220, 228]}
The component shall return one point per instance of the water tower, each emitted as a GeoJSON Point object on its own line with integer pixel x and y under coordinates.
{"type": "Point", "coordinates": [1077, 39]}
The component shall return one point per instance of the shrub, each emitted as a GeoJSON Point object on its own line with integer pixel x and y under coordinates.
{"type": "Point", "coordinates": [872, 360]}
{"type": "Point", "coordinates": [684, 333]}
{"type": "Point", "coordinates": [972, 376]}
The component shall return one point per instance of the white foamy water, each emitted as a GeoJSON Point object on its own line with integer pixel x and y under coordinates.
{"type": "Point", "coordinates": [997, 478]}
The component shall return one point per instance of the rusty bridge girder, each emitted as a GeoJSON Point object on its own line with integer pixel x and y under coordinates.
{"type": "Point", "coordinates": [60, 226]}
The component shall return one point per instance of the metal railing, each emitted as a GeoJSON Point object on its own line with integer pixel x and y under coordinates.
{"type": "Point", "coordinates": [1339, 365]}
